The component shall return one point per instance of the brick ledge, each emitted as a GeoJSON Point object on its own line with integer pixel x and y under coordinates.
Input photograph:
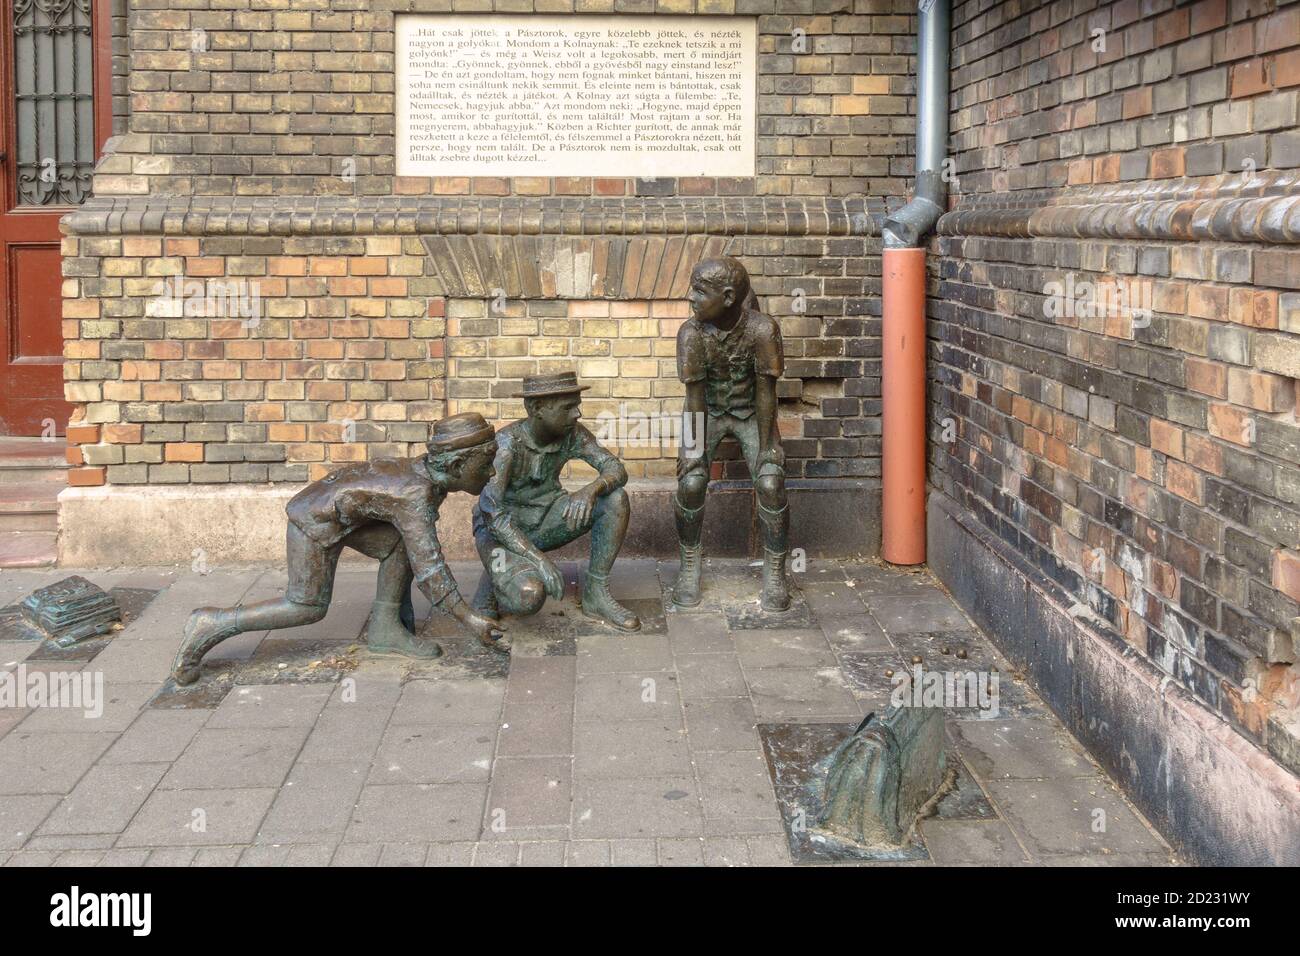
{"type": "Point", "coordinates": [1228, 208]}
{"type": "Point", "coordinates": [444, 215]}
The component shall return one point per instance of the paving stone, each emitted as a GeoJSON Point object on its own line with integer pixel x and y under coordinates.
{"type": "Point", "coordinates": [634, 853]}
{"type": "Point", "coordinates": [1057, 817]}
{"type": "Point", "coordinates": [528, 794]}
{"type": "Point", "coordinates": [501, 853]}
{"type": "Point", "coordinates": [631, 653]}
{"type": "Point", "coordinates": [775, 648]}
{"type": "Point", "coordinates": [367, 691]}
{"type": "Point", "coordinates": [79, 858]}
{"type": "Point", "coordinates": [345, 734]}
{"type": "Point", "coordinates": [425, 812]}
{"type": "Point", "coordinates": [726, 851]}
{"type": "Point", "coordinates": [434, 753]}
{"type": "Point", "coordinates": [170, 856]}
{"type": "Point", "coordinates": [106, 799]}
{"type": "Point", "coordinates": [243, 757]}
{"type": "Point", "coordinates": [71, 841]}
{"type": "Point", "coordinates": [198, 817]}
{"type": "Point", "coordinates": [120, 705]}
{"type": "Point", "coordinates": [857, 633]}
{"type": "Point", "coordinates": [541, 680]}
{"type": "Point", "coordinates": [450, 854]}
{"type": "Point", "coordinates": [156, 736]}
{"type": "Point", "coordinates": [138, 657]}
{"type": "Point", "coordinates": [117, 857]}
{"type": "Point", "coordinates": [47, 762]}
{"type": "Point", "coordinates": [358, 854]}
{"type": "Point", "coordinates": [681, 851]}
{"type": "Point", "coordinates": [631, 748]}
{"type": "Point", "coordinates": [646, 696]}
{"type": "Point", "coordinates": [218, 856]}
{"type": "Point", "coordinates": [1112, 859]}
{"type": "Point", "coordinates": [829, 598]}
{"type": "Point", "coordinates": [768, 850]}
{"type": "Point", "coordinates": [403, 854]}
{"type": "Point", "coordinates": [917, 613]}
{"type": "Point", "coordinates": [587, 853]}
{"type": "Point", "coordinates": [271, 705]}
{"type": "Point", "coordinates": [699, 634]}
{"type": "Point", "coordinates": [789, 692]}
{"type": "Point", "coordinates": [31, 858]}
{"type": "Point", "coordinates": [984, 842]}
{"type": "Point", "coordinates": [542, 853]}
{"type": "Point", "coordinates": [1020, 748]}
{"type": "Point", "coordinates": [882, 579]}
{"type": "Point", "coordinates": [737, 793]}
{"type": "Point", "coordinates": [642, 807]}
{"type": "Point", "coordinates": [450, 701]}
{"type": "Point", "coordinates": [703, 676]}
{"type": "Point", "coordinates": [20, 815]}
{"type": "Point", "coordinates": [721, 724]}
{"type": "Point", "coordinates": [635, 578]}
{"type": "Point", "coordinates": [536, 730]}
{"type": "Point", "coordinates": [315, 804]}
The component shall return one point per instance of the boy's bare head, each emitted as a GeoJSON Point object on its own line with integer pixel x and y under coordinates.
{"type": "Point", "coordinates": [719, 287]}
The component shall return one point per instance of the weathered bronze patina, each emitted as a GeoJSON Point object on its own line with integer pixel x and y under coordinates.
{"type": "Point", "coordinates": [71, 610]}
{"type": "Point", "coordinates": [881, 777]}
{"type": "Point", "coordinates": [386, 509]}
{"type": "Point", "coordinates": [729, 357]}
{"type": "Point", "coordinates": [524, 512]}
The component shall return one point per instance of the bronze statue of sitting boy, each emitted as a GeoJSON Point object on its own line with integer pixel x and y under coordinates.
{"type": "Point", "coordinates": [524, 512]}
{"type": "Point", "coordinates": [386, 509]}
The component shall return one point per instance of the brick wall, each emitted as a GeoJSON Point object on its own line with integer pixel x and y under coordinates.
{"type": "Point", "coordinates": [1149, 463]}
{"type": "Point", "coordinates": [277, 98]}
{"type": "Point", "coordinates": [213, 359]}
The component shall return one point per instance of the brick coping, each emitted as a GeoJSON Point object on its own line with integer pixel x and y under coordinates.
{"type": "Point", "coordinates": [460, 215]}
{"type": "Point", "coordinates": [1264, 207]}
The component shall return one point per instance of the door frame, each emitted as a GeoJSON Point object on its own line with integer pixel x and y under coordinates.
{"type": "Point", "coordinates": [29, 225]}
{"type": "Point", "coordinates": [101, 38]}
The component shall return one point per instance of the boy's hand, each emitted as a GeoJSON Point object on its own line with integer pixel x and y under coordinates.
{"type": "Point", "coordinates": [578, 508]}
{"type": "Point", "coordinates": [552, 579]}
{"type": "Point", "coordinates": [485, 629]}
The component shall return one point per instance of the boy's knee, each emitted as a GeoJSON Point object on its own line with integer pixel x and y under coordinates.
{"type": "Point", "coordinates": [532, 595]}
{"type": "Point", "coordinates": [691, 489]}
{"type": "Point", "coordinates": [771, 490]}
{"type": "Point", "coordinates": [616, 501]}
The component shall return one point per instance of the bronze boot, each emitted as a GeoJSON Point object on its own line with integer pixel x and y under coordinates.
{"type": "Point", "coordinates": [597, 602]}
{"type": "Point", "coordinates": [385, 634]}
{"type": "Point", "coordinates": [776, 532]}
{"type": "Point", "coordinates": [776, 589]}
{"type": "Point", "coordinates": [686, 592]}
{"type": "Point", "coordinates": [206, 628]}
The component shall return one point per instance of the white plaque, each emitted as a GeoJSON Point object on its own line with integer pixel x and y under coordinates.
{"type": "Point", "coordinates": [564, 95]}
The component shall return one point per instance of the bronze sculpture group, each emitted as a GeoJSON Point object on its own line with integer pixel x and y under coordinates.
{"type": "Point", "coordinates": [729, 357]}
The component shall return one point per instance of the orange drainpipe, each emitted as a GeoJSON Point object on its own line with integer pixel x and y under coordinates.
{"type": "Point", "coordinates": [903, 418]}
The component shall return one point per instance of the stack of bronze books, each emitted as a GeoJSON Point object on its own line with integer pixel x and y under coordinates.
{"type": "Point", "coordinates": [71, 610]}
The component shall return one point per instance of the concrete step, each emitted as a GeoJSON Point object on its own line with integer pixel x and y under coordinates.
{"type": "Point", "coordinates": [28, 549]}
{"type": "Point", "coordinates": [32, 459]}
{"type": "Point", "coordinates": [29, 506]}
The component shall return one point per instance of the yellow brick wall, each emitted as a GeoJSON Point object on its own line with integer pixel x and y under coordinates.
{"type": "Point", "coordinates": [625, 351]}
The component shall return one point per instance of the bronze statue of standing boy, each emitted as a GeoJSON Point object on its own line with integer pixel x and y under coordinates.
{"type": "Point", "coordinates": [729, 357]}
{"type": "Point", "coordinates": [386, 509]}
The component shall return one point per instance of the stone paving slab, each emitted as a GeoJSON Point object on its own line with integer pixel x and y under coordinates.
{"type": "Point", "coordinates": [584, 747]}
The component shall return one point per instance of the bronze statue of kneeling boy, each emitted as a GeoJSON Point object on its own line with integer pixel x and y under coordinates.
{"type": "Point", "coordinates": [386, 509]}
{"type": "Point", "coordinates": [523, 511]}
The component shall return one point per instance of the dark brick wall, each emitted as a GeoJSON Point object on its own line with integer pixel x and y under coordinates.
{"type": "Point", "coordinates": [1140, 442]}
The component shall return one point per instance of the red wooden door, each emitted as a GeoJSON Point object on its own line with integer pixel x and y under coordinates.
{"type": "Point", "coordinates": [55, 114]}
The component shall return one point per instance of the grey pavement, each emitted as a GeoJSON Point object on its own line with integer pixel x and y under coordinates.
{"type": "Point", "coordinates": [587, 748]}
